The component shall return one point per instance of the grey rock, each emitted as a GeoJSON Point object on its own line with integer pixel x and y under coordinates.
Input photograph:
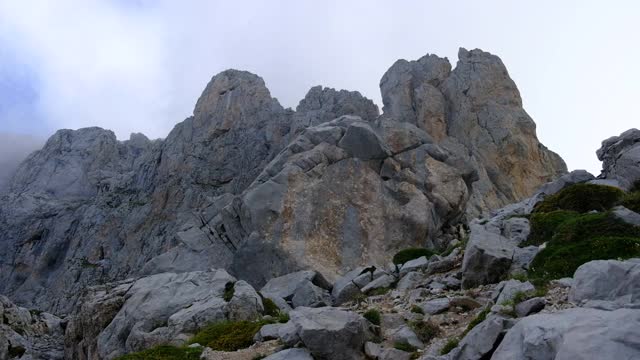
{"type": "Point", "coordinates": [378, 352]}
{"type": "Point", "coordinates": [506, 290]}
{"type": "Point", "coordinates": [164, 308]}
{"type": "Point", "coordinates": [522, 258]}
{"type": "Point", "coordinates": [285, 286]}
{"type": "Point", "coordinates": [384, 281]}
{"type": "Point", "coordinates": [562, 283]}
{"type": "Point", "coordinates": [452, 283]}
{"type": "Point", "coordinates": [482, 339]}
{"type": "Point", "coordinates": [411, 281]}
{"type": "Point", "coordinates": [36, 335]}
{"type": "Point", "coordinates": [626, 215]}
{"type": "Point", "coordinates": [268, 332]}
{"type": "Point", "coordinates": [577, 333]}
{"type": "Point", "coordinates": [530, 306]}
{"type": "Point", "coordinates": [436, 306]}
{"type": "Point", "coordinates": [620, 156]}
{"type": "Point", "coordinates": [288, 334]}
{"type": "Point", "coordinates": [291, 354]}
{"type": "Point", "coordinates": [404, 335]}
{"type": "Point", "coordinates": [309, 295]}
{"type": "Point", "coordinates": [245, 304]}
{"type": "Point", "coordinates": [441, 266]}
{"type": "Point", "coordinates": [464, 302]}
{"type": "Point", "coordinates": [487, 258]}
{"type": "Point", "coordinates": [413, 265]}
{"type": "Point", "coordinates": [516, 229]}
{"type": "Point", "coordinates": [607, 280]}
{"type": "Point", "coordinates": [345, 289]}
{"type": "Point", "coordinates": [362, 142]}
{"type": "Point", "coordinates": [346, 331]}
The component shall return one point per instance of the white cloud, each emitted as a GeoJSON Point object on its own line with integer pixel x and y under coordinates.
{"type": "Point", "coordinates": [140, 66]}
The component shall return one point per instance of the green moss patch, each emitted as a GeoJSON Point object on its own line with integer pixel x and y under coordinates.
{"type": "Point", "coordinates": [373, 316]}
{"type": "Point", "coordinates": [450, 345]}
{"type": "Point", "coordinates": [228, 336]}
{"type": "Point", "coordinates": [561, 259]}
{"type": "Point", "coordinates": [632, 201]}
{"type": "Point", "coordinates": [165, 352]}
{"type": "Point", "coordinates": [270, 308]}
{"type": "Point", "coordinates": [477, 320]}
{"type": "Point", "coordinates": [544, 225]}
{"type": "Point", "coordinates": [410, 254]}
{"type": "Point", "coordinates": [426, 330]}
{"type": "Point", "coordinates": [582, 198]}
{"type": "Point", "coordinates": [593, 225]}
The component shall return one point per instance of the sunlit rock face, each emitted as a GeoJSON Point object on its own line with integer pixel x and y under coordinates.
{"type": "Point", "coordinates": [261, 191]}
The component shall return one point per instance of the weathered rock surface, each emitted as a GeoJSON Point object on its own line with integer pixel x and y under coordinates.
{"type": "Point", "coordinates": [345, 331]}
{"type": "Point", "coordinates": [483, 339]}
{"type": "Point", "coordinates": [158, 309]}
{"type": "Point", "coordinates": [291, 354]}
{"type": "Point", "coordinates": [578, 333]}
{"type": "Point", "coordinates": [26, 334]}
{"type": "Point", "coordinates": [331, 186]}
{"type": "Point", "coordinates": [620, 156]}
{"type": "Point", "coordinates": [613, 281]}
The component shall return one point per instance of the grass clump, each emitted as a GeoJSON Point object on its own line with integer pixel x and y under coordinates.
{"type": "Point", "coordinates": [229, 290]}
{"type": "Point", "coordinates": [283, 317]}
{"type": "Point", "coordinates": [582, 198]}
{"type": "Point", "coordinates": [373, 315]}
{"type": "Point", "coordinates": [404, 347]}
{"type": "Point", "coordinates": [632, 201]}
{"type": "Point", "coordinates": [165, 352]}
{"type": "Point", "coordinates": [228, 335]}
{"type": "Point", "coordinates": [270, 308]}
{"type": "Point", "coordinates": [588, 226]}
{"type": "Point", "coordinates": [477, 320]}
{"type": "Point", "coordinates": [426, 330]}
{"type": "Point", "coordinates": [417, 309]}
{"type": "Point", "coordinates": [561, 259]}
{"type": "Point", "coordinates": [544, 225]}
{"type": "Point", "coordinates": [450, 345]}
{"type": "Point", "coordinates": [379, 291]}
{"type": "Point", "coordinates": [405, 255]}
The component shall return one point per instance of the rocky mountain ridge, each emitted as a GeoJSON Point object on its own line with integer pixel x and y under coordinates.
{"type": "Point", "coordinates": [330, 186]}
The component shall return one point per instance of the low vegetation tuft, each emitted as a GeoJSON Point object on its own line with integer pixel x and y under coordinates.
{"type": "Point", "coordinates": [582, 198]}
{"type": "Point", "coordinates": [450, 345]}
{"type": "Point", "coordinates": [373, 316]}
{"type": "Point", "coordinates": [228, 335]}
{"type": "Point", "coordinates": [165, 352]}
{"type": "Point", "coordinates": [410, 254]}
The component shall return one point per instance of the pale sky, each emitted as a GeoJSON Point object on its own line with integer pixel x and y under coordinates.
{"type": "Point", "coordinates": [139, 66]}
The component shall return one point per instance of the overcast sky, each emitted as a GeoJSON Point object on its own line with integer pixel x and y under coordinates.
{"type": "Point", "coordinates": [139, 66]}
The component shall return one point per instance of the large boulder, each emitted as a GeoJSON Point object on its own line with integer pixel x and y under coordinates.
{"type": "Point", "coordinates": [578, 333]}
{"type": "Point", "coordinates": [620, 156]}
{"type": "Point", "coordinates": [331, 333]}
{"type": "Point", "coordinates": [482, 340]}
{"type": "Point", "coordinates": [158, 309]}
{"type": "Point", "coordinates": [613, 281]}
{"type": "Point", "coordinates": [487, 258]}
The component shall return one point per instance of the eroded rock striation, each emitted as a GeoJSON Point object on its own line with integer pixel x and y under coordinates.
{"type": "Point", "coordinates": [263, 191]}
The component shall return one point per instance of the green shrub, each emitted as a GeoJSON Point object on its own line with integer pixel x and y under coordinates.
{"type": "Point", "coordinates": [477, 320]}
{"type": "Point", "coordinates": [270, 308]}
{"type": "Point", "coordinates": [373, 316]}
{"type": "Point", "coordinates": [283, 317]}
{"type": "Point", "coordinates": [594, 225]}
{"type": "Point", "coordinates": [561, 259]}
{"type": "Point", "coordinates": [417, 309]}
{"type": "Point", "coordinates": [165, 352]}
{"type": "Point", "coordinates": [229, 290]}
{"type": "Point", "coordinates": [582, 198]}
{"type": "Point", "coordinates": [632, 201]}
{"type": "Point", "coordinates": [426, 330]}
{"type": "Point", "coordinates": [412, 253]}
{"type": "Point", "coordinates": [228, 335]}
{"type": "Point", "coordinates": [450, 345]}
{"type": "Point", "coordinates": [544, 225]}
{"type": "Point", "coordinates": [404, 347]}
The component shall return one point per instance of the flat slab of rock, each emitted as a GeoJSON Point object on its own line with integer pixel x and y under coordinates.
{"type": "Point", "coordinates": [506, 290]}
{"type": "Point", "coordinates": [577, 333]}
{"type": "Point", "coordinates": [413, 265]}
{"type": "Point", "coordinates": [291, 354]}
{"type": "Point", "coordinates": [331, 333]}
{"type": "Point", "coordinates": [383, 281]}
{"type": "Point", "coordinates": [607, 280]}
{"type": "Point", "coordinates": [435, 306]}
{"type": "Point", "coordinates": [530, 306]}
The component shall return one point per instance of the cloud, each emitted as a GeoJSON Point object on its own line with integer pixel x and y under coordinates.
{"type": "Point", "coordinates": [13, 149]}
{"type": "Point", "coordinates": [139, 66]}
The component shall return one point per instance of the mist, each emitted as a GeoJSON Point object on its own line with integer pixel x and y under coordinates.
{"type": "Point", "coordinates": [14, 148]}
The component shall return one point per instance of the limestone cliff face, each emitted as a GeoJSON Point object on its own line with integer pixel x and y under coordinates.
{"type": "Point", "coordinates": [475, 109]}
{"type": "Point", "coordinates": [248, 186]}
